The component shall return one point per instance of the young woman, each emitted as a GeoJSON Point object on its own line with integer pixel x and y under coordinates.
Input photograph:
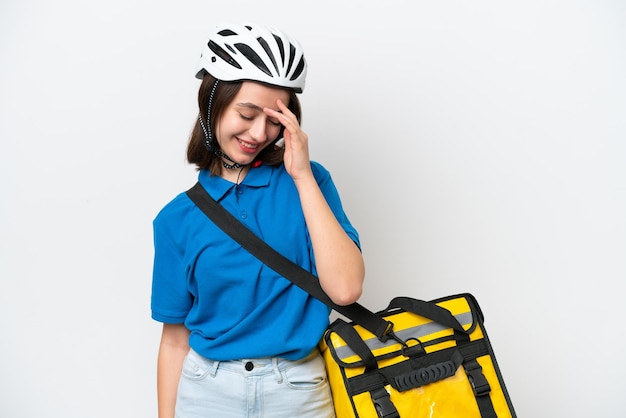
{"type": "Point", "coordinates": [238, 339]}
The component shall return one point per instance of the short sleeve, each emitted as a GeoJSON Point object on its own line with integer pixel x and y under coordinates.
{"type": "Point", "coordinates": [171, 300]}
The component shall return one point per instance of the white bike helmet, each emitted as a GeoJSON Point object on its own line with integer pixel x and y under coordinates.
{"type": "Point", "coordinates": [237, 52]}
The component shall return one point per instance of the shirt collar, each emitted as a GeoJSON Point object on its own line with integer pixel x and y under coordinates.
{"type": "Point", "coordinates": [218, 187]}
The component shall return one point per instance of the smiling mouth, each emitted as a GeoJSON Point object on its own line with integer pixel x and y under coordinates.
{"type": "Point", "coordinates": [248, 145]}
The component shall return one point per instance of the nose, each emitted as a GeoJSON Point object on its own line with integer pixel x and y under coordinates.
{"type": "Point", "coordinates": [258, 130]}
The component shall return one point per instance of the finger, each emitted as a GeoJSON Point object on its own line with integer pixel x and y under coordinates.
{"type": "Point", "coordinates": [282, 106]}
{"type": "Point", "coordinates": [285, 111]}
{"type": "Point", "coordinates": [279, 116]}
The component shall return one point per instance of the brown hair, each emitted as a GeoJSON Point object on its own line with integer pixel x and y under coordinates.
{"type": "Point", "coordinates": [197, 152]}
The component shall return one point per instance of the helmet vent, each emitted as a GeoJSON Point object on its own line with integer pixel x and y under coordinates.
{"type": "Point", "coordinates": [223, 54]}
{"type": "Point", "coordinates": [268, 51]}
{"type": "Point", "coordinates": [281, 48]}
{"type": "Point", "coordinates": [299, 69]}
{"type": "Point", "coordinates": [227, 32]}
{"type": "Point", "coordinates": [292, 53]}
{"type": "Point", "coordinates": [253, 57]}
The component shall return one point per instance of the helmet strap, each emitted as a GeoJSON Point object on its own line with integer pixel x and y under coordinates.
{"type": "Point", "coordinates": [208, 135]}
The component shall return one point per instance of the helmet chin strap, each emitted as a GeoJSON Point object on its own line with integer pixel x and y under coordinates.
{"type": "Point", "coordinates": [209, 143]}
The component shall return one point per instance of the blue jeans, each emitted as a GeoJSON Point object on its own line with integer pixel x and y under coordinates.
{"type": "Point", "coordinates": [254, 388]}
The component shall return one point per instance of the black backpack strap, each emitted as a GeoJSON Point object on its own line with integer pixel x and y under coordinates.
{"type": "Point", "coordinates": [282, 265]}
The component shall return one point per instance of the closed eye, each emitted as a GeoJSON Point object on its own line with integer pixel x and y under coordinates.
{"type": "Point", "coordinates": [274, 122]}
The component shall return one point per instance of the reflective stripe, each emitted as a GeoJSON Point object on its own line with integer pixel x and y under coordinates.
{"type": "Point", "coordinates": [414, 332]}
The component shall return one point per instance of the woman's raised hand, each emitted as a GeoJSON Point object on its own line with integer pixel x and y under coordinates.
{"type": "Point", "coordinates": [296, 159]}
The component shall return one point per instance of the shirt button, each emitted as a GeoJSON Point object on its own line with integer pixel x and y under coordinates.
{"type": "Point", "coordinates": [249, 366]}
{"type": "Point", "coordinates": [244, 214]}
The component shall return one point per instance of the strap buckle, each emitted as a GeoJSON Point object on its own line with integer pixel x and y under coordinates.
{"type": "Point", "coordinates": [382, 402]}
{"type": "Point", "coordinates": [479, 382]}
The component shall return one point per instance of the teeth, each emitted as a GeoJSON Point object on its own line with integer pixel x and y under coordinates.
{"type": "Point", "coordinates": [247, 145]}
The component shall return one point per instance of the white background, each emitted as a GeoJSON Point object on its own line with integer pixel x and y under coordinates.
{"type": "Point", "coordinates": [478, 146]}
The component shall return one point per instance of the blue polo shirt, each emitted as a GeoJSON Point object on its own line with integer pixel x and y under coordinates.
{"type": "Point", "coordinates": [234, 306]}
